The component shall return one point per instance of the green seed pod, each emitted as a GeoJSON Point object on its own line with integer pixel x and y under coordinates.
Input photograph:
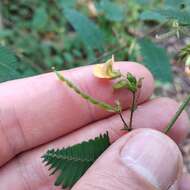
{"type": "Point", "coordinates": [99, 103]}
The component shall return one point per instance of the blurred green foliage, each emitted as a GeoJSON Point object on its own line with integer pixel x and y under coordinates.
{"type": "Point", "coordinates": [72, 33]}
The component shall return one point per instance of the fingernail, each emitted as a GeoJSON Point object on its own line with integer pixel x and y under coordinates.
{"type": "Point", "coordinates": [153, 156]}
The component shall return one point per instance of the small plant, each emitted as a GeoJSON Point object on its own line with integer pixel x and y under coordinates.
{"type": "Point", "coordinates": [70, 33]}
{"type": "Point", "coordinates": [72, 162]}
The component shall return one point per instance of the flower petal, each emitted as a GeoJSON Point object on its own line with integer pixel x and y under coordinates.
{"type": "Point", "coordinates": [105, 70]}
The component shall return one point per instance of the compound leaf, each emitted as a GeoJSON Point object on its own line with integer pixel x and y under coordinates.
{"type": "Point", "coordinates": [183, 17]}
{"type": "Point", "coordinates": [8, 65]}
{"type": "Point", "coordinates": [67, 3]}
{"type": "Point", "coordinates": [176, 3]}
{"type": "Point", "coordinates": [156, 59]}
{"type": "Point", "coordinates": [72, 162]}
{"type": "Point", "coordinates": [152, 16]}
{"type": "Point", "coordinates": [111, 10]}
{"type": "Point", "coordinates": [11, 67]}
{"type": "Point", "coordinates": [89, 32]}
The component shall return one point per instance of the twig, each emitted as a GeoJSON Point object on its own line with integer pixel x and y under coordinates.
{"type": "Point", "coordinates": [107, 54]}
{"type": "Point", "coordinates": [178, 113]}
{"type": "Point", "coordinates": [162, 37]}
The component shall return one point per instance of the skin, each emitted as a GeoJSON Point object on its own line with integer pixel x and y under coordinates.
{"type": "Point", "coordinates": [40, 113]}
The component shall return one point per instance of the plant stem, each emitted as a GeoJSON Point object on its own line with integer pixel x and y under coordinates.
{"type": "Point", "coordinates": [107, 54]}
{"type": "Point", "coordinates": [132, 111]}
{"type": "Point", "coordinates": [126, 127]}
{"type": "Point", "coordinates": [162, 37]}
{"type": "Point", "coordinates": [178, 113]}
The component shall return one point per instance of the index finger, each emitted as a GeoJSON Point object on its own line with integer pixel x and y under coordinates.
{"type": "Point", "coordinates": [39, 109]}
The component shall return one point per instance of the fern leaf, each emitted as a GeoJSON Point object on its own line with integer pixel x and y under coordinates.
{"type": "Point", "coordinates": [72, 162]}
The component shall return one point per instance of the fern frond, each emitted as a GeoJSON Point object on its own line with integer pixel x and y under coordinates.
{"type": "Point", "coordinates": [72, 162]}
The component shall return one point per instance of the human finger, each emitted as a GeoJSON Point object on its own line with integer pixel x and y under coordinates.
{"type": "Point", "coordinates": [39, 109]}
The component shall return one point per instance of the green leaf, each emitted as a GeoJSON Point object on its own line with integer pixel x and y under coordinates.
{"type": "Point", "coordinates": [112, 11]}
{"type": "Point", "coordinates": [5, 33]}
{"type": "Point", "coordinates": [143, 2]}
{"type": "Point", "coordinates": [40, 18]}
{"type": "Point", "coordinates": [72, 162]}
{"type": "Point", "coordinates": [156, 59]}
{"type": "Point", "coordinates": [67, 3]}
{"type": "Point", "coordinates": [183, 17]}
{"type": "Point", "coordinates": [176, 3]}
{"type": "Point", "coordinates": [89, 32]}
{"type": "Point", "coordinates": [8, 65]}
{"type": "Point", "coordinates": [152, 16]}
{"type": "Point", "coordinates": [11, 67]}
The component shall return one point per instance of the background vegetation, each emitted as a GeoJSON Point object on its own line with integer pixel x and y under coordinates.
{"type": "Point", "coordinates": [71, 33]}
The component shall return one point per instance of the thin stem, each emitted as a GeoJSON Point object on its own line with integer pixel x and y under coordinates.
{"type": "Point", "coordinates": [107, 54]}
{"type": "Point", "coordinates": [178, 113]}
{"type": "Point", "coordinates": [162, 37]}
{"type": "Point", "coordinates": [126, 127]}
{"type": "Point", "coordinates": [132, 111]}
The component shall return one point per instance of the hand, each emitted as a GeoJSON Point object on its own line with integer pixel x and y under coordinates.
{"type": "Point", "coordinates": [40, 113]}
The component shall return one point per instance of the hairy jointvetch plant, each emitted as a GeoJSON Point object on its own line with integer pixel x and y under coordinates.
{"type": "Point", "coordinates": [72, 162]}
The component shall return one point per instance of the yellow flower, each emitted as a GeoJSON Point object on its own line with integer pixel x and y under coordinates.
{"type": "Point", "coordinates": [106, 70]}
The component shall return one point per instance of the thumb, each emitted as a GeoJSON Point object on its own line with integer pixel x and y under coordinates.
{"type": "Point", "coordinates": [144, 159]}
